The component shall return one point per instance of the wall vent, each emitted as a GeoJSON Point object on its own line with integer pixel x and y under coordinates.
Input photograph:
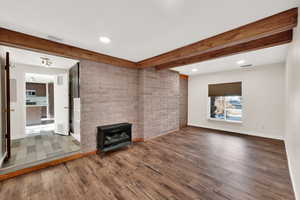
{"type": "Point", "coordinates": [53, 38]}
{"type": "Point", "coordinates": [246, 66]}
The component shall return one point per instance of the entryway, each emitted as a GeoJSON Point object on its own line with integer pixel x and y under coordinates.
{"type": "Point", "coordinates": [44, 108]}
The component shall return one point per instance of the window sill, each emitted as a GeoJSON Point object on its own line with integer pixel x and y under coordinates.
{"type": "Point", "coordinates": [222, 120]}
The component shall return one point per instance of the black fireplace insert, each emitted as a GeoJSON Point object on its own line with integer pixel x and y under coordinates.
{"type": "Point", "coordinates": [111, 137]}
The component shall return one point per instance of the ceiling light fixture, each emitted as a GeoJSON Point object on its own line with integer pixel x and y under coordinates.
{"type": "Point", "coordinates": [104, 40]}
{"type": "Point", "coordinates": [194, 70]}
{"type": "Point", "coordinates": [46, 62]}
{"type": "Point", "coordinates": [240, 62]}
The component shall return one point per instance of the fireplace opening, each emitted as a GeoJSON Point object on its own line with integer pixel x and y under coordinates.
{"type": "Point", "coordinates": [111, 137]}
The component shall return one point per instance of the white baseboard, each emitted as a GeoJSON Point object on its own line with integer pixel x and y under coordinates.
{"type": "Point", "coordinates": [240, 132]}
{"type": "Point", "coordinates": [297, 194]}
{"type": "Point", "coordinates": [162, 134]}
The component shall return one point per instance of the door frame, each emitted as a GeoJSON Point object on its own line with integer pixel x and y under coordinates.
{"type": "Point", "coordinates": [66, 106]}
{"type": "Point", "coordinates": [7, 110]}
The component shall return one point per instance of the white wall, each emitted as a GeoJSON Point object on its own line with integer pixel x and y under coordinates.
{"type": "Point", "coordinates": [292, 137]}
{"type": "Point", "coordinates": [18, 117]}
{"type": "Point", "coordinates": [263, 100]}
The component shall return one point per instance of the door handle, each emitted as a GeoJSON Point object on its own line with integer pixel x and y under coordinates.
{"type": "Point", "coordinates": [66, 107]}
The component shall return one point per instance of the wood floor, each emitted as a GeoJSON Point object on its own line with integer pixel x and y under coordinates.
{"type": "Point", "coordinates": [190, 164]}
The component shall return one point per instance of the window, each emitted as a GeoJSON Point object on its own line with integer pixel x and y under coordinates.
{"type": "Point", "coordinates": [228, 108]}
{"type": "Point", "coordinates": [225, 101]}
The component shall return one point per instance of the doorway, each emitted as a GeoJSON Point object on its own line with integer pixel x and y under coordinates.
{"type": "Point", "coordinates": [39, 103]}
{"type": "Point", "coordinates": [40, 109]}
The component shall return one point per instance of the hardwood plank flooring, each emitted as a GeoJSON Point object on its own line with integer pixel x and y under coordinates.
{"type": "Point", "coordinates": [190, 164]}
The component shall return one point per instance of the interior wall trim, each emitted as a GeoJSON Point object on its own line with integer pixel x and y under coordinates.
{"type": "Point", "coordinates": [185, 77]}
{"type": "Point", "coordinates": [54, 163]}
{"type": "Point", "coordinates": [291, 170]}
{"type": "Point", "coordinates": [249, 133]}
{"type": "Point", "coordinates": [137, 140]}
{"type": "Point", "coordinates": [162, 134]}
{"type": "Point", "coordinates": [45, 165]}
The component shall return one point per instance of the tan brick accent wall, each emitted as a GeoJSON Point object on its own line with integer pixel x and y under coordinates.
{"type": "Point", "coordinates": [109, 95]}
{"type": "Point", "coordinates": [159, 102]}
{"type": "Point", "coordinates": [149, 99]}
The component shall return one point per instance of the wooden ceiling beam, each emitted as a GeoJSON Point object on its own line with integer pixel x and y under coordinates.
{"type": "Point", "coordinates": [24, 41]}
{"type": "Point", "coordinates": [272, 25]}
{"type": "Point", "coordinates": [239, 38]}
{"type": "Point", "coordinates": [270, 41]}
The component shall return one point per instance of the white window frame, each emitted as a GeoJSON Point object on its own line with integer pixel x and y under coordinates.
{"type": "Point", "coordinates": [225, 116]}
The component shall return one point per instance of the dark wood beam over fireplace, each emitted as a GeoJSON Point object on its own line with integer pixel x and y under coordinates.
{"type": "Point", "coordinates": [24, 41]}
{"type": "Point", "coordinates": [270, 41]}
{"type": "Point", "coordinates": [264, 28]}
{"type": "Point", "coordinates": [267, 32]}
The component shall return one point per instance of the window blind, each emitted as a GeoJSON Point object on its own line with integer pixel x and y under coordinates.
{"type": "Point", "coordinates": [225, 89]}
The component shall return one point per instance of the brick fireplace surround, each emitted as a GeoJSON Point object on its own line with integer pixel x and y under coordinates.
{"type": "Point", "coordinates": [155, 102]}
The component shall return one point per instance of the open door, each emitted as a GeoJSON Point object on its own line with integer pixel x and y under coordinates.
{"type": "Point", "coordinates": [74, 101]}
{"type": "Point", "coordinates": [61, 104]}
{"type": "Point", "coordinates": [6, 105]}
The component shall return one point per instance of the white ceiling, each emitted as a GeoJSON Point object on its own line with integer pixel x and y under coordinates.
{"type": "Point", "coordinates": [33, 58]}
{"type": "Point", "coordinates": [138, 29]}
{"type": "Point", "coordinates": [256, 58]}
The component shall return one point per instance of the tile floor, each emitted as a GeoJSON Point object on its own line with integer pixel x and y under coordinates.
{"type": "Point", "coordinates": [46, 145]}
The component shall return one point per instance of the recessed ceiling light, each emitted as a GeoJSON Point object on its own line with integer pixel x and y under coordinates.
{"type": "Point", "coordinates": [104, 40]}
{"type": "Point", "coordinates": [240, 62]}
{"type": "Point", "coordinates": [194, 70]}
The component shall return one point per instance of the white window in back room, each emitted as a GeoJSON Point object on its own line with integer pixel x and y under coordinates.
{"type": "Point", "coordinates": [225, 102]}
